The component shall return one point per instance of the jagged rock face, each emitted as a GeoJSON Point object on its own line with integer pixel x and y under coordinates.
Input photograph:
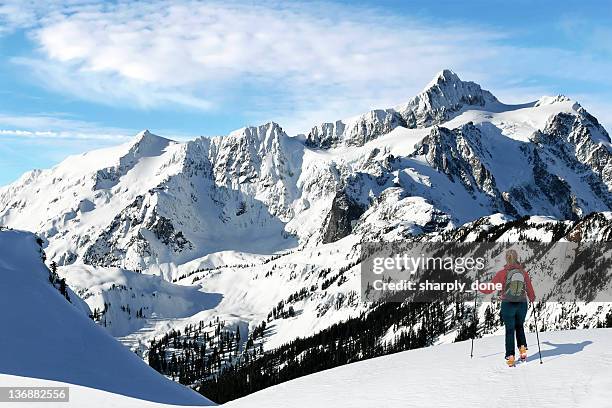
{"type": "Point", "coordinates": [457, 154]}
{"type": "Point", "coordinates": [339, 222]}
{"type": "Point", "coordinates": [261, 162]}
{"type": "Point", "coordinates": [228, 188]}
{"type": "Point", "coordinates": [326, 135]}
{"type": "Point", "coordinates": [396, 215]}
{"type": "Point", "coordinates": [130, 240]}
{"type": "Point", "coordinates": [108, 249]}
{"type": "Point", "coordinates": [553, 188]}
{"type": "Point", "coordinates": [579, 136]}
{"type": "Point", "coordinates": [356, 132]}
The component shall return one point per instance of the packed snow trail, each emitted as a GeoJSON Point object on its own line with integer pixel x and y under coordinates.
{"type": "Point", "coordinates": [44, 336]}
{"type": "Point", "coordinates": [577, 372]}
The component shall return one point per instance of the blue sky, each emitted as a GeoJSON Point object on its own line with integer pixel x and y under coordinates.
{"type": "Point", "coordinates": [77, 75]}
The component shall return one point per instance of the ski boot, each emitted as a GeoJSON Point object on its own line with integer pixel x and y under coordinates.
{"type": "Point", "coordinates": [523, 353]}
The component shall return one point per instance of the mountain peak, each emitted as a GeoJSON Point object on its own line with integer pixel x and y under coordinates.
{"type": "Point", "coordinates": [452, 90]}
{"type": "Point", "coordinates": [443, 98]}
{"type": "Point", "coordinates": [259, 131]}
{"type": "Point", "coordinates": [550, 100]}
{"type": "Point", "coordinates": [146, 138]}
{"type": "Point", "coordinates": [147, 144]}
{"type": "Point", "coordinates": [444, 76]}
{"type": "Point", "coordinates": [147, 135]}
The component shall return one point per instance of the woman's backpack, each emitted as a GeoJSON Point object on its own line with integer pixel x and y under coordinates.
{"type": "Point", "coordinates": [514, 290]}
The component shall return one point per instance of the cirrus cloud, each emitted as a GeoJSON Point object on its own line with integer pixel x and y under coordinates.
{"type": "Point", "coordinates": [208, 55]}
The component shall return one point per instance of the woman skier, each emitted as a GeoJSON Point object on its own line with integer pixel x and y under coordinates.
{"type": "Point", "coordinates": [516, 289]}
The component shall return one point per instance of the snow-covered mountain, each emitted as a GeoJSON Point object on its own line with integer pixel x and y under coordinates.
{"type": "Point", "coordinates": [48, 337]}
{"type": "Point", "coordinates": [260, 226]}
{"type": "Point", "coordinates": [442, 99]}
{"type": "Point", "coordinates": [464, 156]}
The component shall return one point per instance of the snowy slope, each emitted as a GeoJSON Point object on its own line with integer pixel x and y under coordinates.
{"type": "Point", "coordinates": [44, 336]}
{"type": "Point", "coordinates": [576, 373]}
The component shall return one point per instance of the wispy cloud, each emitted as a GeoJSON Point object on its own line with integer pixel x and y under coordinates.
{"type": "Point", "coordinates": [204, 55]}
{"type": "Point", "coordinates": [199, 55]}
{"type": "Point", "coordinates": [54, 126]}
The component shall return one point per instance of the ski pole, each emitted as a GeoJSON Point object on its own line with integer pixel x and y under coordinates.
{"type": "Point", "coordinates": [535, 318]}
{"type": "Point", "coordinates": [474, 323]}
